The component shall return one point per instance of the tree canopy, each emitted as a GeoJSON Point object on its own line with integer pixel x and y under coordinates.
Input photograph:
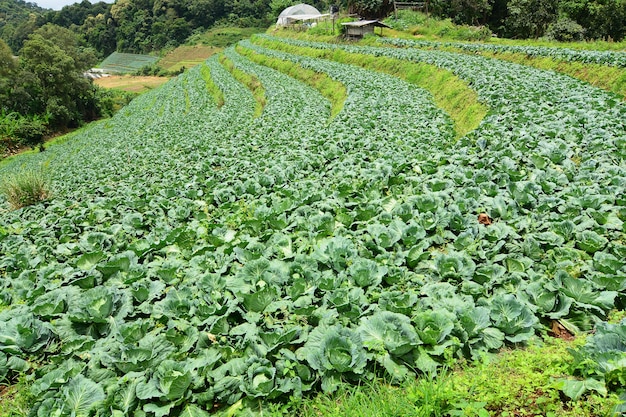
{"type": "Point", "coordinates": [45, 89]}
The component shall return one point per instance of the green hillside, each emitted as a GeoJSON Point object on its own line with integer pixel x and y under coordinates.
{"type": "Point", "coordinates": [207, 251]}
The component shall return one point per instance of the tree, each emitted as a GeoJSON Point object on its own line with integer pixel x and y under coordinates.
{"type": "Point", "coordinates": [57, 87]}
{"type": "Point", "coordinates": [602, 19]}
{"type": "Point", "coordinates": [8, 64]}
{"type": "Point", "coordinates": [99, 34]}
{"type": "Point", "coordinates": [8, 68]}
{"type": "Point", "coordinates": [530, 18]}
{"type": "Point", "coordinates": [470, 12]}
{"type": "Point", "coordinates": [73, 45]}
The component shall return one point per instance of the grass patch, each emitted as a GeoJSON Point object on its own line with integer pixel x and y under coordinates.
{"type": "Point", "coordinates": [449, 92]}
{"type": "Point", "coordinates": [426, 397]}
{"type": "Point", "coordinates": [15, 400]}
{"type": "Point", "coordinates": [512, 383]}
{"type": "Point", "coordinates": [130, 83]}
{"type": "Point", "coordinates": [223, 37]}
{"type": "Point", "coordinates": [332, 90]}
{"type": "Point", "coordinates": [427, 27]}
{"type": "Point", "coordinates": [214, 91]}
{"type": "Point", "coordinates": [187, 56]}
{"type": "Point", "coordinates": [521, 382]}
{"type": "Point", "coordinates": [419, 25]}
{"type": "Point", "coordinates": [25, 188]}
{"type": "Point", "coordinates": [250, 81]}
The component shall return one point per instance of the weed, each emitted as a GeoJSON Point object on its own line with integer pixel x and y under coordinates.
{"type": "Point", "coordinates": [15, 400]}
{"type": "Point", "coordinates": [521, 383]}
{"type": "Point", "coordinates": [25, 188]}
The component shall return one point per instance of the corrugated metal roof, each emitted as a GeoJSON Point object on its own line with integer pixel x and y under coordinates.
{"type": "Point", "coordinates": [360, 23]}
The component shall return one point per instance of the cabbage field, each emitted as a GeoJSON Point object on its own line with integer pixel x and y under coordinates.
{"type": "Point", "coordinates": [193, 255]}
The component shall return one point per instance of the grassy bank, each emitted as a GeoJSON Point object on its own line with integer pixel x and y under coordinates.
{"type": "Point", "coordinates": [250, 81]}
{"type": "Point", "coordinates": [334, 91]}
{"type": "Point", "coordinates": [449, 92]}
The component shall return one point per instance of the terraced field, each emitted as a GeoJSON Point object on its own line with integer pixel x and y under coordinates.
{"type": "Point", "coordinates": [194, 255]}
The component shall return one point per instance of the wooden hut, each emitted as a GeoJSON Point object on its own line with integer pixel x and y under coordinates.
{"type": "Point", "coordinates": [358, 29]}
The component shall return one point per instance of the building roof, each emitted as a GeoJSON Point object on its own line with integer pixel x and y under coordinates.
{"type": "Point", "coordinates": [360, 23]}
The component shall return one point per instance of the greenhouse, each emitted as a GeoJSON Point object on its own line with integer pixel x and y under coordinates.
{"type": "Point", "coordinates": [298, 12]}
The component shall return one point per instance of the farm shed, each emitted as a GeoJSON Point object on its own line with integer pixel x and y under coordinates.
{"type": "Point", "coordinates": [363, 27]}
{"type": "Point", "coordinates": [299, 12]}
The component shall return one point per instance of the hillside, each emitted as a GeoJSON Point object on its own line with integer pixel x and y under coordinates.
{"type": "Point", "coordinates": [287, 218]}
{"type": "Point", "coordinates": [18, 18]}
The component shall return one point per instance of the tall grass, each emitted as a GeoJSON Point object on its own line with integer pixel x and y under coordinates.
{"type": "Point", "coordinates": [25, 189]}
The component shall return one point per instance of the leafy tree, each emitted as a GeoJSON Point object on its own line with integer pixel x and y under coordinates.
{"type": "Point", "coordinates": [17, 20]}
{"type": "Point", "coordinates": [371, 8]}
{"type": "Point", "coordinates": [75, 14]}
{"type": "Point", "coordinates": [566, 30]}
{"type": "Point", "coordinates": [8, 68]}
{"type": "Point", "coordinates": [203, 13]}
{"type": "Point", "coordinates": [463, 12]}
{"type": "Point", "coordinates": [8, 63]}
{"type": "Point", "coordinates": [277, 6]}
{"type": "Point", "coordinates": [602, 19]}
{"type": "Point", "coordinates": [56, 85]}
{"type": "Point", "coordinates": [530, 18]}
{"type": "Point", "coordinates": [98, 34]}
{"type": "Point", "coordinates": [84, 57]}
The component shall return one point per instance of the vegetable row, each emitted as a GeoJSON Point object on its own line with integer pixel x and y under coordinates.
{"type": "Point", "coordinates": [610, 58]}
{"type": "Point", "coordinates": [193, 255]}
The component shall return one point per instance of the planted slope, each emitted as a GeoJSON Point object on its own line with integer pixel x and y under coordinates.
{"type": "Point", "coordinates": [449, 92]}
{"type": "Point", "coordinates": [204, 255]}
{"type": "Point", "coordinates": [610, 58]}
{"type": "Point", "coordinates": [606, 70]}
{"type": "Point", "coordinates": [332, 90]}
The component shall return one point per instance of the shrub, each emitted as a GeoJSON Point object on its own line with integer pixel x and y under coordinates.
{"type": "Point", "coordinates": [407, 19]}
{"type": "Point", "coordinates": [25, 188]}
{"type": "Point", "coordinates": [30, 131]}
{"type": "Point", "coordinates": [566, 30]}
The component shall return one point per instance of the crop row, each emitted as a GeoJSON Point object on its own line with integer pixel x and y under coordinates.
{"type": "Point", "coordinates": [194, 255]}
{"type": "Point", "coordinates": [610, 58]}
{"type": "Point", "coordinates": [160, 241]}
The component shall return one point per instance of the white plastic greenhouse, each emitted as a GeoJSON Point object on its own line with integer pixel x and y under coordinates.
{"type": "Point", "coordinates": [299, 12]}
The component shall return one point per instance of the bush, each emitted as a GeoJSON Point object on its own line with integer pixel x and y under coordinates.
{"type": "Point", "coordinates": [565, 30]}
{"type": "Point", "coordinates": [30, 131]}
{"type": "Point", "coordinates": [25, 188]}
{"type": "Point", "coordinates": [406, 19]}
{"type": "Point", "coordinates": [418, 23]}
